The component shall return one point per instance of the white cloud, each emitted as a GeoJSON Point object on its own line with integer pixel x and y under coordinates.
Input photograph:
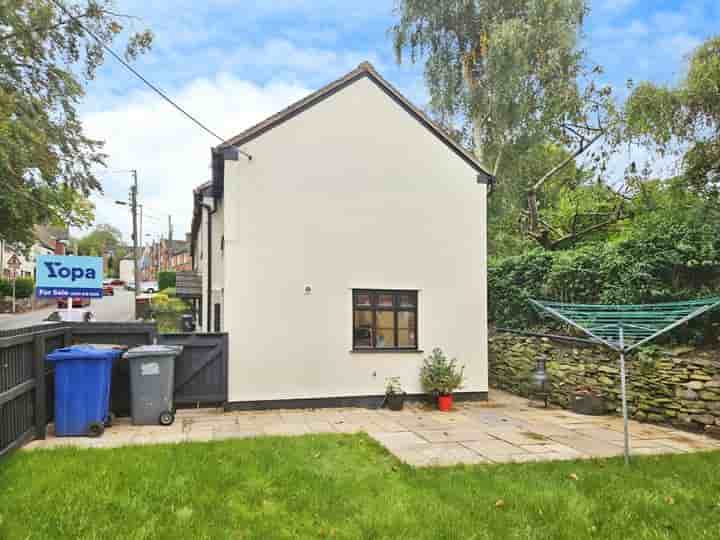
{"type": "Point", "coordinates": [170, 153]}
{"type": "Point", "coordinates": [280, 53]}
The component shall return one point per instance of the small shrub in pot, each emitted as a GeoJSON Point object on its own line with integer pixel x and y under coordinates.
{"type": "Point", "coordinates": [394, 394]}
{"type": "Point", "coordinates": [441, 377]}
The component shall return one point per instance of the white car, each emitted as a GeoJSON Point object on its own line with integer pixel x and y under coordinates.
{"type": "Point", "coordinates": [149, 287]}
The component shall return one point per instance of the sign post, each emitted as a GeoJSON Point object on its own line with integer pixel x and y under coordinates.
{"type": "Point", "coordinates": [61, 276]}
{"type": "Point", "coordinates": [14, 265]}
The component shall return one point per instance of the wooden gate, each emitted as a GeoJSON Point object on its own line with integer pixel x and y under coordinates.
{"type": "Point", "coordinates": [201, 370]}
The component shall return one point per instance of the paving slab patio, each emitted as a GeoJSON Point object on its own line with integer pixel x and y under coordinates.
{"type": "Point", "coordinates": [505, 429]}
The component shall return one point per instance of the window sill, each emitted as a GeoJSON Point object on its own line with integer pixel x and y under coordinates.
{"type": "Point", "coordinates": [386, 351]}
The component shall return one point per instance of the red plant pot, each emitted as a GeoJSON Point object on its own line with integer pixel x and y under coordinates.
{"type": "Point", "coordinates": [445, 403]}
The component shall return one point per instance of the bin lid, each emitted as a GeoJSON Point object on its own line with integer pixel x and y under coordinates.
{"type": "Point", "coordinates": [104, 346]}
{"type": "Point", "coordinates": [154, 350]}
{"type": "Point", "coordinates": [83, 352]}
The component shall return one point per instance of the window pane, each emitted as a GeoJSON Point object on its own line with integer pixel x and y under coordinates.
{"type": "Point", "coordinates": [385, 319]}
{"type": "Point", "coordinates": [362, 300]}
{"type": "Point", "coordinates": [362, 331]}
{"type": "Point", "coordinates": [407, 300]}
{"type": "Point", "coordinates": [385, 329]}
{"type": "Point", "coordinates": [385, 338]}
{"type": "Point", "coordinates": [385, 300]}
{"type": "Point", "coordinates": [406, 320]}
{"type": "Point", "coordinates": [406, 338]}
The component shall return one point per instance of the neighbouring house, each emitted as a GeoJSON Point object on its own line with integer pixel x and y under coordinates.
{"type": "Point", "coordinates": [349, 245]}
{"type": "Point", "coordinates": [165, 255]}
{"type": "Point", "coordinates": [48, 240]}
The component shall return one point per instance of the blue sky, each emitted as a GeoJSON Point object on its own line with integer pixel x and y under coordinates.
{"type": "Point", "coordinates": [232, 63]}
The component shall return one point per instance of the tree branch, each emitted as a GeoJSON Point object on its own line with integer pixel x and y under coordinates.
{"type": "Point", "coordinates": [588, 230]}
{"type": "Point", "coordinates": [60, 23]}
{"type": "Point", "coordinates": [565, 162]}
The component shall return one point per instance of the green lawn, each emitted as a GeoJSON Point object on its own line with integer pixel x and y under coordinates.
{"type": "Point", "coordinates": [347, 487]}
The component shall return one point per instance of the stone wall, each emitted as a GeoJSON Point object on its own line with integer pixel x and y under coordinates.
{"type": "Point", "coordinates": [680, 386]}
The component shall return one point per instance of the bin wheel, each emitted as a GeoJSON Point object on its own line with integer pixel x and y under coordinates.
{"type": "Point", "coordinates": [166, 418]}
{"type": "Point", "coordinates": [95, 429]}
{"type": "Point", "coordinates": [109, 419]}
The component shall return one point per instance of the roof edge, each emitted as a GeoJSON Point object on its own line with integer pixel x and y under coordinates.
{"type": "Point", "coordinates": [365, 69]}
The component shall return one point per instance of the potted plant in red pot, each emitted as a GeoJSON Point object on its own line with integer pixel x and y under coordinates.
{"type": "Point", "coordinates": [441, 377]}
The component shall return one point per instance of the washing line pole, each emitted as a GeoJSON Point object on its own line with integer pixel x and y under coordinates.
{"type": "Point", "coordinates": [623, 395]}
{"type": "Point", "coordinates": [605, 323]}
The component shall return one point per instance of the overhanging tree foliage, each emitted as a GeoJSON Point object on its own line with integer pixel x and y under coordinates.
{"type": "Point", "coordinates": [685, 120]}
{"type": "Point", "coordinates": [46, 160]}
{"type": "Point", "coordinates": [513, 74]}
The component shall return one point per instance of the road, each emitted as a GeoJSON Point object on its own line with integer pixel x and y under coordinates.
{"type": "Point", "coordinates": [109, 308]}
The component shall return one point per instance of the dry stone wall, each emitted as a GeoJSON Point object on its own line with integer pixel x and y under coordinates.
{"type": "Point", "coordinates": [679, 386]}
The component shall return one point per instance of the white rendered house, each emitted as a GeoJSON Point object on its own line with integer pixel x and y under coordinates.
{"type": "Point", "coordinates": [349, 245]}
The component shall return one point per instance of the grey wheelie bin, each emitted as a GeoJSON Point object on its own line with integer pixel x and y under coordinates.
{"type": "Point", "coordinates": [152, 378]}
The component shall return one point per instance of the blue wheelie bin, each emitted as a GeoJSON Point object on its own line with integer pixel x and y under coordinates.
{"type": "Point", "coordinates": [82, 389]}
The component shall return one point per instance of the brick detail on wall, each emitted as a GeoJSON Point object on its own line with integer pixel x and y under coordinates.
{"type": "Point", "coordinates": [680, 386]}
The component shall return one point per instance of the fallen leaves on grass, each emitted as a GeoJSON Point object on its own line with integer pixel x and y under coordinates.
{"type": "Point", "coordinates": [669, 499]}
{"type": "Point", "coordinates": [499, 503]}
{"type": "Point", "coordinates": [573, 476]}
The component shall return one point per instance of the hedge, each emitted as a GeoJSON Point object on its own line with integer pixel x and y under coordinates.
{"type": "Point", "coordinates": [24, 287]}
{"type": "Point", "coordinates": [668, 261]}
{"type": "Point", "coordinates": [166, 280]}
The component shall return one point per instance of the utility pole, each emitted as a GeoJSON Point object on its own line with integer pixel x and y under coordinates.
{"type": "Point", "coordinates": [133, 209]}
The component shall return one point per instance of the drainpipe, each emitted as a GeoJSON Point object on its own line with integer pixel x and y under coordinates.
{"type": "Point", "coordinates": [210, 211]}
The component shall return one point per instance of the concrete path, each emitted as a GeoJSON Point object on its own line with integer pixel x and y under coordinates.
{"type": "Point", "coordinates": [501, 430]}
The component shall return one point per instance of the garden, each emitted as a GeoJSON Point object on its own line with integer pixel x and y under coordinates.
{"type": "Point", "coordinates": [343, 486]}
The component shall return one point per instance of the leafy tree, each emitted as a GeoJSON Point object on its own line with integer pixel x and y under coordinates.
{"type": "Point", "coordinates": [98, 242]}
{"type": "Point", "coordinates": [669, 250]}
{"type": "Point", "coordinates": [512, 73]}
{"type": "Point", "coordinates": [46, 58]}
{"type": "Point", "coordinates": [684, 120]}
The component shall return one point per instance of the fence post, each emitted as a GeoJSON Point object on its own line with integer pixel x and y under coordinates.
{"type": "Point", "coordinates": [40, 392]}
{"type": "Point", "coordinates": [67, 337]}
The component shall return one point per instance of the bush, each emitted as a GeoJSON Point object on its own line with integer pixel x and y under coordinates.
{"type": "Point", "coordinates": [512, 281]}
{"type": "Point", "coordinates": [166, 280]}
{"type": "Point", "coordinates": [159, 299]}
{"type": "Point", "coordinates": [170, 291]}
{"type": "Point", "coordinates": [439, 375]}
{"type": "Point", "coordinates": [163, 304]}
{"type": "Point", "coordinates": [5, 287]}
{"type": "Point", "coordinates": [24, 287]}
{"type": "Point", "coordinates": [662, 259]}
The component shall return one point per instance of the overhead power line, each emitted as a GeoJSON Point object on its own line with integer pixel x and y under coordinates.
{"type": "Point", "coordinates": [139, 76]}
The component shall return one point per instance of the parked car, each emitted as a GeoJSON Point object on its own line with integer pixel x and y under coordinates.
{"type": "Point", "coordinates": [108, 290]}
{"type": "Point", "coordinates": [149, 287]}
{"type": "Point", "coordinates": [117, 282]}
{"type": "Point", "coordinates": [76, 315]}
{"type": "Point", "coordinates": [130, 286]}
{"type": "Point", "coordinates": [76, 302]}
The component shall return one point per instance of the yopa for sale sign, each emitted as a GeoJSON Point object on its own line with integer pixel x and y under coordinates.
{"type": "Point", "coordinates": [62, 276]}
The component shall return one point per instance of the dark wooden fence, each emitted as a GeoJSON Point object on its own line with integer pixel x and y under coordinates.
{"type": "Point", "coordinates": [27, 380]}
{"type": "Point", "coordinates": [23, 376]}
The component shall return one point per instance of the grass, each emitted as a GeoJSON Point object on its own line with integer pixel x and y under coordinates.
{"type": "Point", "coordinates": [329, 486]}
